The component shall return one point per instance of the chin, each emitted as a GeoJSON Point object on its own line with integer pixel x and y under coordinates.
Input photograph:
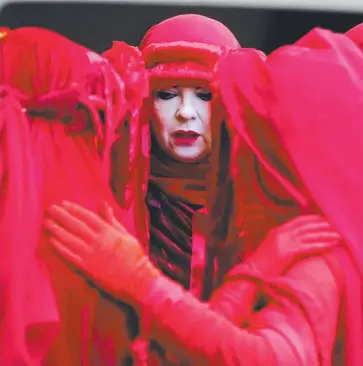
{"type": "Point", "coordinates": [191, 157]}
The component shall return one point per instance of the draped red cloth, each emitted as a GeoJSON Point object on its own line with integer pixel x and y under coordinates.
{"type": "Point", "coordinates": [61, 106]}
{"type": "Point", "coordinates": [308, 96]}
{"type": "Point", "coordinates": [28, 312]}
{"type": "Point", "coordinates": [129, 151]}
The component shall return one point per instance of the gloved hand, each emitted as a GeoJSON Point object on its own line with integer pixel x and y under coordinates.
{"type": "Point", "coordinates": [298, 238]}
{"type": "Point", "coordinates": [103, 250]}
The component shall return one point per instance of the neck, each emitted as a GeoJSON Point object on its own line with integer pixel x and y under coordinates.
{"type": "Point", "coordinates": [185, 181]}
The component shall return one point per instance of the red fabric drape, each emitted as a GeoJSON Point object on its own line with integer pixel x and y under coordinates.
{"type": "Point", "coordinates": [57, 150]}
{"type": "Point", "coordinates": [309, 96]}
{"type": "Point", "coordinates": [27, 308]}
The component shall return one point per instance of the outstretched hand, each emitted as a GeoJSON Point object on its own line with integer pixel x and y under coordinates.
{"type": "Point", "coordinates": [100, 247]}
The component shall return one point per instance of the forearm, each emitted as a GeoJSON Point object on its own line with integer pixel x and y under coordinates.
{"type": "Point", "coordinates": [235, 300]}
{"type": "Point", "coordinates": [296, 327]}
{"type": "Point", "coordinates": [237, 297]}
{"type": "Point", "coordinates": [193, 332]}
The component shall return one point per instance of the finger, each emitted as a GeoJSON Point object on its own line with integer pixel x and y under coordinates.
{"type": "Point", "coordinates": [327, 236]}
{"type": "Point", "coordinates": [88, 217]}
{"type": "Point", "coordinates": [72, 242]}
{"type": "Point", "coordinates": [304, 219]}
{"type": "Point", "coordinates": [106, 212]}
{"type": "Point", "coordinates": [317, 247]}
{"type": "Point", "coordinates": [70, 223]}
{"type": "Point", "coordinates": [66, 253]}
{"type": "Point", "coordinates": [313, 227]}
{"type": "Point", "coordinates": [118, 226]}
{"type": "Point", "coordinates": [111, 219]}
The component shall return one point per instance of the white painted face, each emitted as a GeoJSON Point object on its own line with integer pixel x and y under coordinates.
{"type": "Point", "coordinates": [181, 121]}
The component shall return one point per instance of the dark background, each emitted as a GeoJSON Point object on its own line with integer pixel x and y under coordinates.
{"type": "Point", "coordinates": [95, 25]}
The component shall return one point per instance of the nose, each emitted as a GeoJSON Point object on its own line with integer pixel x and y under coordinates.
{"type": "Point", "coordinates": [187, 110]}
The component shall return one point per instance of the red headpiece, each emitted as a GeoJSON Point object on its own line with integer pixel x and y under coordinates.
{"type": "Point", "coordinates": [186, 47]}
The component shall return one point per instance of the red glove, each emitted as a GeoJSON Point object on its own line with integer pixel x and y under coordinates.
{"type": "Point", "coordinates": [103, 251]}
{"type": "Point", "coordinates": [301, 237]}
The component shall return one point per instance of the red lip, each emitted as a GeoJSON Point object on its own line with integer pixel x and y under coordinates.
{"type": "Point", "coordinates": [185, 137]}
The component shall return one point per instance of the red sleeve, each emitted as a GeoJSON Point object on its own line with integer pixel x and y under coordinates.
{"type": "Point", "coordinates": [286, 332]}
{"type": "Point", "coordinates": [236, 298]}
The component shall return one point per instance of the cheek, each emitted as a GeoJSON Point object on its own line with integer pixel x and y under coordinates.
{"type": "Point", "coordinates": [205, 115]}
{"type": "Point", "coordinates": [163, 116]}
{"type": "Point", "coordinates": [161, 123]}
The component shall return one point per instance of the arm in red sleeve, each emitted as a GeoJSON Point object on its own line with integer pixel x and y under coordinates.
{"type": "Point", "coordinates": [282, 333]}
{"type": "Point", "coordinates": [236, 299]}
{"type": "Point", "coordinates": [286, 332]}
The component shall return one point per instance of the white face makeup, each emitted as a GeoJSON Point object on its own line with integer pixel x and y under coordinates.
{"type": "Point", "coordinates": [181, 122]}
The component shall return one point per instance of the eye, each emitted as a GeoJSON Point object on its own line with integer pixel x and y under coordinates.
{"type": "Point", "coordinates": [205, 95]}
{"type": "Point", "coordinates": [165, 95]}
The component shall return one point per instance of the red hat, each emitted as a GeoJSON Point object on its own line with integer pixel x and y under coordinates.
{"type": "Point", "coordinates": [186, 46]}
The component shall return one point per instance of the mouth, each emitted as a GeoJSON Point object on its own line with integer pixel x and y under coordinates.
{"type": "Point", "coordinates": [185, 138]}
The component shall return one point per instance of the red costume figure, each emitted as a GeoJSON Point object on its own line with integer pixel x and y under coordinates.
{"type": "Point", "coordinates": [256, 316]}
{"type": "Point", "coordinates": [58, 123]}
{"type": "Point", "coordinates": [28, 316]}
{"type": "Point", "coordinates": [309, 103]}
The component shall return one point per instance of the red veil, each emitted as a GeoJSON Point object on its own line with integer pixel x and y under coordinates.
{"type": "Point", "coordinates": [61, 107]}
{"type": "Point", "coordinates": [309, 98]}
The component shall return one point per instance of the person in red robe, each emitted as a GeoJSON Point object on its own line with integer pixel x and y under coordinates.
{"type": "Point", "coordinates": [306, 98]}
{"type": "Point", "coordinates": [61, 107]}
{"type": "Point", "coordinates": [182, 271]}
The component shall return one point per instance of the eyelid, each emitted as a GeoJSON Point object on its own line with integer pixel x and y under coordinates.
{"type": "Point", "coordinates": [165, 94]}
{"type": "Point", "coordinates": [206, 96]}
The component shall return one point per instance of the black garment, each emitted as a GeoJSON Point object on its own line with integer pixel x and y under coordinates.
{"type": "Point", "coordinates": [170, 241]}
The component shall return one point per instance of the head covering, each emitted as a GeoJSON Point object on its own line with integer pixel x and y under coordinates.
{"type": "Point", "coordinates": [59, 116]}
{"type": "Point", "coordinates": [185, 47]}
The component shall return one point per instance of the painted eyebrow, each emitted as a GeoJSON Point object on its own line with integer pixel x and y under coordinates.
{"type": "Point", "coordinates": [198, 88]}
{"type": "Point", "coordinates": [165, 90]}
